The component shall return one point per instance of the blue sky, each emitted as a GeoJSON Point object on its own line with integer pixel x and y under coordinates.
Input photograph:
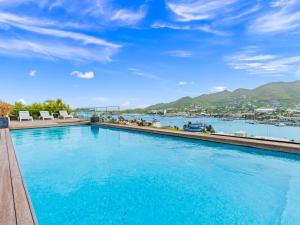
{"type": "Point", "coordinates": [141, 52]}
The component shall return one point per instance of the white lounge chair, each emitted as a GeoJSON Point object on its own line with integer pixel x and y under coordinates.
{"type": "Point", "coordinates": [45, 115]}
{"type": "Point", "coordinates": [64, 114]}
{"type": "Point", "coordinates": [24, 115]}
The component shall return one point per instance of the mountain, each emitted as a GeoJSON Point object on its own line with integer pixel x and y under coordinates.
{"type": "Point", "coordinates": [277, 94]}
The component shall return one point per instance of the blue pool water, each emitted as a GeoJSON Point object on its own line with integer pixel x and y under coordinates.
{"type": "Point", "coordinates": [99, 176]}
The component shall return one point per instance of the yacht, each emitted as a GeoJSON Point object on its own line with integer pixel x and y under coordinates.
{"type": "Point", "coordinates": [194, 127]}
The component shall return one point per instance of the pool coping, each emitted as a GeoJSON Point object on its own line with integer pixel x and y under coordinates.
{"type": "Point", "coordinates": [50, 125]}
{"type": "Point", "coordinates": [15, 203]}
{"type": "Point", "coordinates": [287, 147]}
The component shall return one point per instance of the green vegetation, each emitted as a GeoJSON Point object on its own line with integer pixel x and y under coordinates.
{"type": "Point", "coordinates": [280, 95]}
{"type": "Point", "coordinates": [175, 128]}
{"type": "Point", "coordinates": [53, 106]}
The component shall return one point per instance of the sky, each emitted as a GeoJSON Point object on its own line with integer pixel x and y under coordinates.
{"type": "Point", "coordinates": [142, 52]}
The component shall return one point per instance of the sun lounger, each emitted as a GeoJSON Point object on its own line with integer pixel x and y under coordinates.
{"type": "Point", "coordinates": [24, 115]}
{"type": "Point", "coordinates": [64, 114]}
{"type": "Point", "coordinates": [45, 115]}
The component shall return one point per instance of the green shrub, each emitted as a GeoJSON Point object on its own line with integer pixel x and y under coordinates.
{"type": "Point", "coordinates": [53, 106]}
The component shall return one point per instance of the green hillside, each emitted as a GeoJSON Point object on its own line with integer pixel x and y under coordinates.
{"type": "Point", "coordinates": [279, 95]}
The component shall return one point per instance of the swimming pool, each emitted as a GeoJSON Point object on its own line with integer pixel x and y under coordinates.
{"type": "Point", "coordinates": [92, 175]}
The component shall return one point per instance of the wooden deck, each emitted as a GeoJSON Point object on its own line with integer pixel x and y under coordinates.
{"type": "Point", "coordinates": [288, 147]}
{"type": "Point", "coordinates": [14, 125]}
{"type": "Point", "coordinates": [15, 205]}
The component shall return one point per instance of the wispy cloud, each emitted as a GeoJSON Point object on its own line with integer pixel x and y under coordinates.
{"type": "Point", "coordinates": [240, 16]}
{"type": "Point", "coordinates": [101, 10]}
{"type": "Point", "coordinates": [14, 20]}
{"type": "Point", "coordinates": [32, 73]}
{"type": "Point", "coordinates": [284, 16]}
{"type": "Point", "coordinates": [34, 25]}
{"type": "Point", "coordinates": [108, 13]}
{"type": "Point", "coordinates": [269, 64]}
{"type": "Point", "coordinates": [186, 11]}
{"type": "Point", "coordinates": [83, 75]}
{"type": "Point", "coordinates": [140, 73]}
{"type": "Point", "coordinates": [53, 43]}
{"type": "Point", "coordinates": [182, 83]}
{"type": "Point", "coordinates": [179, 53]}
{"type": "Point", "coordinates": [54, 50]}
{"type": "Point", "coordinates": [86, 39]}
{"type": "Point", "coordinates": [129, 17]}
{"type": "Point", "coordinates": [22, 101]}
{"type": "Point", "coordinates": [202, 28]}
{"type": "Point", "coordinates": [9, 3]}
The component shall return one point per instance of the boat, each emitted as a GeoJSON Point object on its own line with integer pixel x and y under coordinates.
{"type": "Point", "coordinates": [280, 124]}
{"type": "Point", "coordinates": [156, 123]}
{"type": "Point", "coordinates": [240, 134]}
{"type": "Point", "coordinates": [195, 127]}
{"type": "Point", "coordinates": [227, 119]}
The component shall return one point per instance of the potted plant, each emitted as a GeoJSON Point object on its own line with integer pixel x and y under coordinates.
{"type": "Point", "coordinates": [95, 118]}
{"type": "Point", "coordinates": [5, 110]}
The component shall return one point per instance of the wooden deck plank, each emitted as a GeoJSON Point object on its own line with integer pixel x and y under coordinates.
{"type": "Point", "coordinates": [7, 208]}
{"type": "Point", "coordinates": [24, 211]}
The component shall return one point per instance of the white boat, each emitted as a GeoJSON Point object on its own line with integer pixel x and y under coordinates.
{"type": "Point", "coordinates": [156, 123]}
{"type": "Point", "coordinates": [280, 124]}
{"type": "Point", "coordinates": [240, 134]}
{"type": "Point", "coordinates": [194, 127]}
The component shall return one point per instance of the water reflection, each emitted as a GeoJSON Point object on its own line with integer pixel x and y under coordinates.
{"type": "Point", "coordinates": [95, 131]}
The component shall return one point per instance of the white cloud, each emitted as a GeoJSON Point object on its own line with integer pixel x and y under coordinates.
{"type": "Point", "coordinates": [182, 83]}
{"type": "Point", "coordinates": [140, 73]}
{"type": "Point", "coordinates": [53, 50]}
{"type": "Point", "coordinates": [101, 99]}
{"type": "Point", "coordinates": [32, 73]}
{"type": "Point", "coordinates": [16, 20]}
{"type": "Point", "coordinates": [83, 75]}
{"type": "Point", "coordinates": [240, 16]}
{"type": "Point", "coordinates": [115, 16]}
{"type": "Point", "coordinates": [129, 17]}
{"type": "Point", "coordinates": [86, 39]}
{"type": "Point", "coordinates": [34, 25]}
{"type": "Point", "coordinates": [256, 63]}
{"type": "Point", "coordinates": [9, 3]}
{"type": "Point", "coordinates": [218, 88]}
{"type": "Point", "coordinates": [186, 11]}
{"type": "Point", "coordinates": [179, 54]}
{"type": "Point", "coordinates": [22, 101]}
{"type": "Point", "coordinates": [285, 16]}
{"type": "Point", "coordinates": [103, 12]}
{"type": "Point", "coordinates": [82, 47]}
{"type": "Point", "coordinates": [202, 28]}
{"type": "Point", "coordinates": [280, 3]}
